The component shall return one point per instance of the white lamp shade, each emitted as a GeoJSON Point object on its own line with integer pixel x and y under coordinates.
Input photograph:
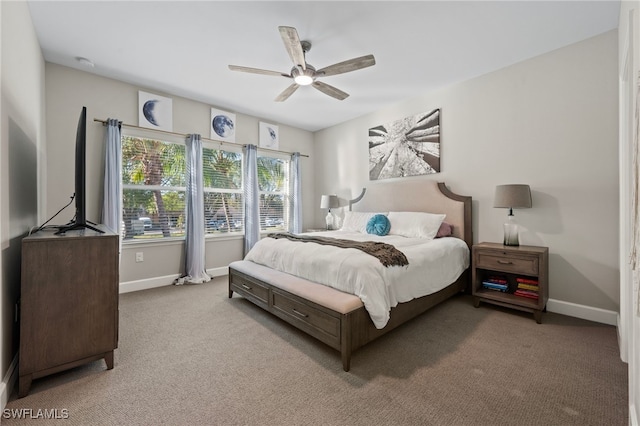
{"type": "Point", "coordinates": [329, 201]}
{"type": "Point", "coordinates": [513, 196]}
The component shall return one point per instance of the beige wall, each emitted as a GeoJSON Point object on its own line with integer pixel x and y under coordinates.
{"type": "Point", "coordinates": [22, 146]}
{"type": "Point", "coordinates": [550, 122]}
{"type": "Point", "coordinates": [68, 90]}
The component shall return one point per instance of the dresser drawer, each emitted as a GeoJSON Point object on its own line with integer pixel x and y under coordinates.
{"type": "Point", "coordinates": [527, 265]}
{"type": "Point", "coordinates": [250, 289]}
{"type": "Point", "coordinates": [314, 321]}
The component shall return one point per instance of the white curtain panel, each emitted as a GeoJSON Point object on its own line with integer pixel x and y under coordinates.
{"type": "Point", "coordinates": [251, 198]}
{"type": "Point", "coordinates": [195, 271]}
{"type": "Point", "coordinates": [112, 199]}
{"type": "Point", "coordinates": [295, 206]}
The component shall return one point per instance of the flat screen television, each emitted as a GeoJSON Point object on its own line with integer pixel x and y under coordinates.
{"type": "Point", "coordinates": [80, 219]}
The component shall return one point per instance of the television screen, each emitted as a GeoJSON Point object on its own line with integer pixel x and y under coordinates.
{"type": "Point", "coordinates": [81, 143]}
{"type": "Point", "coordinates": [80, 219]}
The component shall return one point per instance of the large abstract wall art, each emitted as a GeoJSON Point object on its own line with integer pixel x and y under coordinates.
{"type": "Point", "coordinates": [223, 125]}
{"type": "Point", "coordinates": [406, 147]}
{"type": "Point", "coordinates": [154, 111]}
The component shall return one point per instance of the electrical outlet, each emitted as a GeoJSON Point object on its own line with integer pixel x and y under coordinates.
{"type": "Point", "coordinates": [139, 257]}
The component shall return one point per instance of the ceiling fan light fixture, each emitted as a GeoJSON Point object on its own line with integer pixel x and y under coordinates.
{"type": "Point", "coordinates": [303, 77]}
{"type": "Point", "coordinates": [304, 74]}
{"type": "Point", "coordinates": [303, 80]}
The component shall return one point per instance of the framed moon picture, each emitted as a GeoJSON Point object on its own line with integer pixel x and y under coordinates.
{"type": "Point", "coordinates": [268, 136]}
{"type": "Point", "coordinates": [154, 111]}
{"type": "Point", "coordinates": [223, 125]}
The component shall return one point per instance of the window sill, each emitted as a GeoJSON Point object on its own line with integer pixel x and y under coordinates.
{"type": "Point", "coordinates": [156, 242]}
{"type": "Point", "coordinates": [223, 237]}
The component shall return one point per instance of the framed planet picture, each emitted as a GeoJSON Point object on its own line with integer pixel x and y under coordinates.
{"type": "Point", "coordinates": [155, 111]}
{"type": "Point", "coordinates": [223, 125]}
{"type": "Point", "coordinates": [268, 136]}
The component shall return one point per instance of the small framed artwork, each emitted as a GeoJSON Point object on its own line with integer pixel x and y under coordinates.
{"type": "Point", "coordinates": [406, 147]}
{"type": "Point", "coordinates": [223, 125]}
{"type": "Point", "coordinates": [154, 111]}
{"type": "Point", "coordinates": [268, 136]}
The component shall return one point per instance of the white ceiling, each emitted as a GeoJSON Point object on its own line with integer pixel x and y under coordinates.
{"type": "Point", "coordinates": [183, 48]}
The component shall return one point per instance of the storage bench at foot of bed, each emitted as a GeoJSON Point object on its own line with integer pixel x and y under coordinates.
{"type": "Point", "coordinates": [336, 318]}
{"type": "Point", "coordinates": [320, 311]}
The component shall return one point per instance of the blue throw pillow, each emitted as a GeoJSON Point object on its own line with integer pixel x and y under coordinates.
{"type": "Point", "coordinates": [378, 225]}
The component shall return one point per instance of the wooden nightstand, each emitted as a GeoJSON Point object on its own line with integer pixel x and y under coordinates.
{"type": "Point", "coordinates": [499, 271]}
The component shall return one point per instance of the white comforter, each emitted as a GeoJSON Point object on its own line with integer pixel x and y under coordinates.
{"type": "Point", "coordinates": [433, 264]}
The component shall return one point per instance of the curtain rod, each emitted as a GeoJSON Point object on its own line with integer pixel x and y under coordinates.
{"type": "Point", "coordinates": [104, 122]}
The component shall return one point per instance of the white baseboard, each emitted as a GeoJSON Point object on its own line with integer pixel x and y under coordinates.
{"type": "Point", "coordinates": [147, 283]}
{"type": "Point", "coordinates": [558, 306]}
{"type": "Point", "coordinates": [622, 341]}
{"type": "Point", "coordinates": [137, 285]}
{"type": "Point", "coordinates": [581, 311]}
{"type": "Point", "coordinates": [8, 382]}
{"type": "Point", "coordinates": [218, 272]}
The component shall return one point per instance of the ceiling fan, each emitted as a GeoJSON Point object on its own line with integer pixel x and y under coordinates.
{"type": "Point", "coordinates": [304, 74]}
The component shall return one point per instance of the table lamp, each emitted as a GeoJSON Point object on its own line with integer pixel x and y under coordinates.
{"type": "Point", "coordinates": [512, 196]}
{"type": "Point", "coordinates": [329, 202]}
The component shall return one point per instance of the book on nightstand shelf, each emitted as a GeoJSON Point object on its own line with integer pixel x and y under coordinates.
{"type": "Point", "coordinates": [497, 283]}
{"type": "Point", "coordinates": [527, 288]}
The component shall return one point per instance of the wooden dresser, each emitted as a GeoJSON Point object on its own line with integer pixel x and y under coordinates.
{"type": "Point", "coordinates": [68, 302]}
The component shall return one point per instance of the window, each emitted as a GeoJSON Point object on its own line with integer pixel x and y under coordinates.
{"type": "Point", "coordinates": [273, 184]}
{"type": "Point", "coordinates": [153, 188]}
{"type": "Point", "coordinates": [223, 209]}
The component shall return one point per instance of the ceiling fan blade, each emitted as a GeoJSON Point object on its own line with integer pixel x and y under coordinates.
{"type": "Point", "coordinates": [330, 90]}
{"type": "Point", "coordinates": [292, 44]}
{"type": "Point", "coordinates": [257, 71]}
{"type": "Point", "coordinates": [347, 66]}
{"type": "Point", "coordinates": [287, 92]}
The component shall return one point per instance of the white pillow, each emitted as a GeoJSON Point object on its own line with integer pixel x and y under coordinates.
{"type": "Point", "coordinates": [415, 224]}
{"type": "Point", "coordinates": [357, 221]}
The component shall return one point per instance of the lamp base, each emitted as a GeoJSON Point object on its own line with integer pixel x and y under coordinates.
{"type": "Point", "coordinates": [511, 232]}
{"type": "Point", "coordinates": [329, 220]}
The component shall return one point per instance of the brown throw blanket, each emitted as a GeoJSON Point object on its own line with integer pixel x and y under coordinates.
{"type": "Point", "coordinates": [387, 254]}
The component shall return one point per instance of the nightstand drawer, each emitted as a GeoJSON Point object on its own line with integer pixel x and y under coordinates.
{"type": "Point", "coordinates": [527, 265]}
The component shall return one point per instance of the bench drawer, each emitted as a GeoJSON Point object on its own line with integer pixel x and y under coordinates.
{"type": "Point", "coordinates": [250, 289]}
{"type": "Point", "coordinates": [321, 325]}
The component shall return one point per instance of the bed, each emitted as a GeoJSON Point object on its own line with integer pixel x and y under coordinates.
{"type": "Point", "coordinates": [341, 319]}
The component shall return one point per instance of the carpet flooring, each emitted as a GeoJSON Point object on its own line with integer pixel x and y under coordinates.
{"type": "Point", "coordinates": [189, 355]}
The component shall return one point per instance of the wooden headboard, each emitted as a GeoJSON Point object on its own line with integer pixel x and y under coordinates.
{"type": "Point", "coordinates": [421, 196]}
